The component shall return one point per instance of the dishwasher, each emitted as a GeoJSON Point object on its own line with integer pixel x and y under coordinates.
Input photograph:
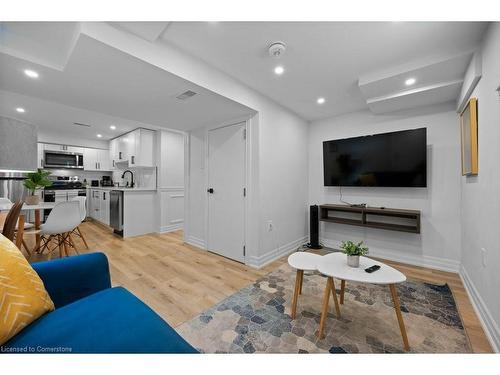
{"type": "Point", "coordinates": [116, 211]}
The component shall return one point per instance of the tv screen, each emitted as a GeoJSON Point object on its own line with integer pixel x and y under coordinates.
{"type": "Point", "coordinates": [397, 159]}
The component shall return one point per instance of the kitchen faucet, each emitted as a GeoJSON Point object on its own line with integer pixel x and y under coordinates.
{"type": "Point", "coordinates": [132, 177]}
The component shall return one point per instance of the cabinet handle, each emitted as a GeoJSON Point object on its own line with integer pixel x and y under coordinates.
{"type": "Point", "coordinates": [133, 159]}
{"type": "Point", "coordinates": [104, 196]}
{"type": "Point", "coordinates": [113, 162]}
{"type": "Point", "coordinates": [120, 155]}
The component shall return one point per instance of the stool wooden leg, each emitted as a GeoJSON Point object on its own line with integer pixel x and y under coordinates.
{"type": "Point", "coordinates": [324, 310]}
{"type": "Point", "coordinates": [334, 293]}
{"type": "Point", "coordinates": [342, 291]}
{"type": "Point", "coordinates": [397, 307]}
{"type": "Point", "coordinates": [298, 279]}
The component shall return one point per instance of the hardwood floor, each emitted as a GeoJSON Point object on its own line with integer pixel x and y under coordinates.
{"type": "Point", "coordinates": [180, 281]}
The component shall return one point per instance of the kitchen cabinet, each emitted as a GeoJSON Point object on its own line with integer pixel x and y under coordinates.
{"type": "Point", "coordinates": [113, 153]}
{"type": "Point", "coordinates": [99, 205]}
{"type": "Point", "coordinates": [54, 147]}
{"type": "Point", "coordinates": [134, 149]}
{"type": "Point", "coordinates": [96, 160]}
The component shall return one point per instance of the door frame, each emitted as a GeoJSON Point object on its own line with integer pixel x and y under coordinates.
{"type": "Point", "coordinates": [250, 122]}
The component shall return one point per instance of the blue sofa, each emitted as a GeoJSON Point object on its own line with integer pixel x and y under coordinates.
{"type": "Point", "coordinates": [93, 317]}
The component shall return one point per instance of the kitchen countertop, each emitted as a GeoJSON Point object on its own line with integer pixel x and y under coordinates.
{"type": "Point", "coordinates": [109, 188]}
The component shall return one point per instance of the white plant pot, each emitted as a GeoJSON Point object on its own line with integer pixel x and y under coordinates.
{"type": "Point", "coordinates": [353, 261]}
{"type": "Point", "coordinates": [32, 200]}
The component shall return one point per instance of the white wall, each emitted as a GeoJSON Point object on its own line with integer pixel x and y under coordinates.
{"type": "Point", "coordinates": [481, 196]}
{"type": "Point", "coordinates": [438, 245]}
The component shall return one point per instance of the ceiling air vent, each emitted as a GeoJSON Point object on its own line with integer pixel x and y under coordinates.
{"type": "Point", "coordinates": [186, 95]}
{"type": "Point", "coordinates": [80, 124]}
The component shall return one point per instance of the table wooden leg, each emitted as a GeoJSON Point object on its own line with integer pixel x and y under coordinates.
{"type": "Point", "coordinates": [342, 291]}
{"type": "Point", "coordinates": [334, 293]}
{"type": "Point", "coordinates": [301, 281]}
{"type": "Point", "coordinates": [37, 227]}
{"type": "Point", "coordinates": [298, 278]}
{"type": "Point", "coordinates": [324, 310]}
{"type": "Point", "coordinates": [397, 307]}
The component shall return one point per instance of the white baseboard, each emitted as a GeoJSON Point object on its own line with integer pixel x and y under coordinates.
{"type": "Point", "coordinates": [171, 228]}
{"type": "Point", "coordinates": [448, 265]}
{"type": "Point", "coordinates": [263, 260]}
{"type": "Point", "coordinates": [197, 242]}
{"type": "Point", "coordinates": [488, 323]}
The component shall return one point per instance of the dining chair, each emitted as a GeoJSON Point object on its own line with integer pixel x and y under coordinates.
{"type": "Point", "coordinates": [62, 220]}
{"type": "Point", "coordinates": [9, 226]}
{"type": "Point", "coordinates": [82, 201]}
{"type": "Point", "coordinates": [6, 201]}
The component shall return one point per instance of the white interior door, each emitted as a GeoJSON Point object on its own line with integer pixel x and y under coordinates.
{"type": "Point", "coordinates": [226, 202]}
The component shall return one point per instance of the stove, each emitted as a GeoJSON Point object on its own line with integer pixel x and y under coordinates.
{"type": "Point", "coordinates": [65, 185]}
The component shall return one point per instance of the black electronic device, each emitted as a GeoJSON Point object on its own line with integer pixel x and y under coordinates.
{"type": "Point", "coordinates": [372, 268]}
{"type": "Point", "coordinates": [397, 159]}
{"type": "Point", "coordinates": [314, 228]}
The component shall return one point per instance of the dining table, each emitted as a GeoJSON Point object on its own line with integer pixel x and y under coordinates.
{"type": "Point", "coordinates": [36, 208]}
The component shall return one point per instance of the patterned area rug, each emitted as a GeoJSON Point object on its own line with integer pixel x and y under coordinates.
{"type": "Point", "coordinates": [257, 319]}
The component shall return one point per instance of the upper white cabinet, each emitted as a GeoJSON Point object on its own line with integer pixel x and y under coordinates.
{"type": "Point", "coordinates": [135, 148]}
{"type": "Point", "coordinates": [54, 147]}
{"type": "Point", "coordinates": [96, 160]}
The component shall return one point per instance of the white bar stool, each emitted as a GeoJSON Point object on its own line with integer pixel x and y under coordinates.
{"type": "Point", "coordinates": [302, 261]}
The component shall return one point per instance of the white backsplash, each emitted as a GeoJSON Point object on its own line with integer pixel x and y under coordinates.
{"type": "Point", "coordinates": [143, 177]}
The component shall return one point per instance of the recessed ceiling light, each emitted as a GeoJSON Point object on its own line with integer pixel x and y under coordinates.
{"type": "Point", "coordinates": [320, 100]}
{"type": "Point", "coordinates": [112, 127]}
{"type": "Point", "coordinates": [20, 110]}
{"type": "Point", "coordinates": [410, 81]}
{"type": "Point", "coordinates": [279, 70]}
{"type": "Point", "coordinates": [31, 73]}
{"type": "Point", "coordinates": [99, 135]}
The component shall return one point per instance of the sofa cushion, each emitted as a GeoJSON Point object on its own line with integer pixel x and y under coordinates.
{"type": "Point", "coordinates": [110, 321]}
{"type": "Point", "coordinates": [23, 297]}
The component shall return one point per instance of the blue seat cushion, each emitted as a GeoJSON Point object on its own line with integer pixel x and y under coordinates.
{"type": "Point", "coordinates": [110, 321]}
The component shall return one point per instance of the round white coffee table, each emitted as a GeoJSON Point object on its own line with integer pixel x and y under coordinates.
{"type": "Point", "coordinates": [302, 261]}
{"type": "Point", "coordinates": [335, 266]}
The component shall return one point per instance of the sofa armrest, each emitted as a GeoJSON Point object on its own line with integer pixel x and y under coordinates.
{"type": "Point", "coordinates": [72, 278]}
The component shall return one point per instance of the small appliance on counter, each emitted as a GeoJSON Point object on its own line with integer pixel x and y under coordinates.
{"type": "Point", "coordinates": [94, 183]}
{"type": "Point", "coordinates": [107, 181]}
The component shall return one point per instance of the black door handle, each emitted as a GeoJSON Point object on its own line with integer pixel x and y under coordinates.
{"type": "Point", "coordinates": [210, 190]}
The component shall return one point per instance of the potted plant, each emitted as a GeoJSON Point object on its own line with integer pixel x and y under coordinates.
{"type": "Point", "coordinates": [353, 252]}
{"type": "Point", "coordinates": [36, 181]}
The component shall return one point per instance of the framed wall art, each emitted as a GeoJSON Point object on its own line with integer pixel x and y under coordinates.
{"type": "Point", "coordinates": [468, 129]}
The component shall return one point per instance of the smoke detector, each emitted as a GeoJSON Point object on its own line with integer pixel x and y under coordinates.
{"type": "Point", "coordinates": [277, 49]}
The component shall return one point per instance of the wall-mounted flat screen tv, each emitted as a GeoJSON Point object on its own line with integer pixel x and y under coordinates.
{"type": "Point", "coordinates": [397, 159]}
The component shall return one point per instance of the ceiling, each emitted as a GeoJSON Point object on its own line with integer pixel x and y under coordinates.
{"type": "Point", "coordinates": [54, 117]}
{"type": "Point", "coordinates": [353, 65]}
{"type": "Point", "coordinates": [324, 59]}
{"type": "Point", "coordinates": [107, 84]}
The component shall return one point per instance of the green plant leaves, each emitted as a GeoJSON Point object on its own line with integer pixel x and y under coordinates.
{"type": "Point", "coordinates": [353, 249]}
{"type": "Point", "coordinates": [37, 180]}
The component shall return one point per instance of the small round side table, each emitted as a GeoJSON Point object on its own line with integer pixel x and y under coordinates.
{"type": "Point", "coordinates": [302, 261]}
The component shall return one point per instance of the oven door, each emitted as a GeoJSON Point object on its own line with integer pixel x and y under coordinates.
{"type": "Point", "coordinates": [62, 159]}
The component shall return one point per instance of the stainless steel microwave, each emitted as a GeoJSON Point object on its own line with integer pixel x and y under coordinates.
{"type": "Point", "coordinates": [62, 159]}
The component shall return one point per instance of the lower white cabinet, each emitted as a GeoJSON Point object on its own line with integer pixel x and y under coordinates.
{"type": "Point", "coordinates": [99, 205]}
